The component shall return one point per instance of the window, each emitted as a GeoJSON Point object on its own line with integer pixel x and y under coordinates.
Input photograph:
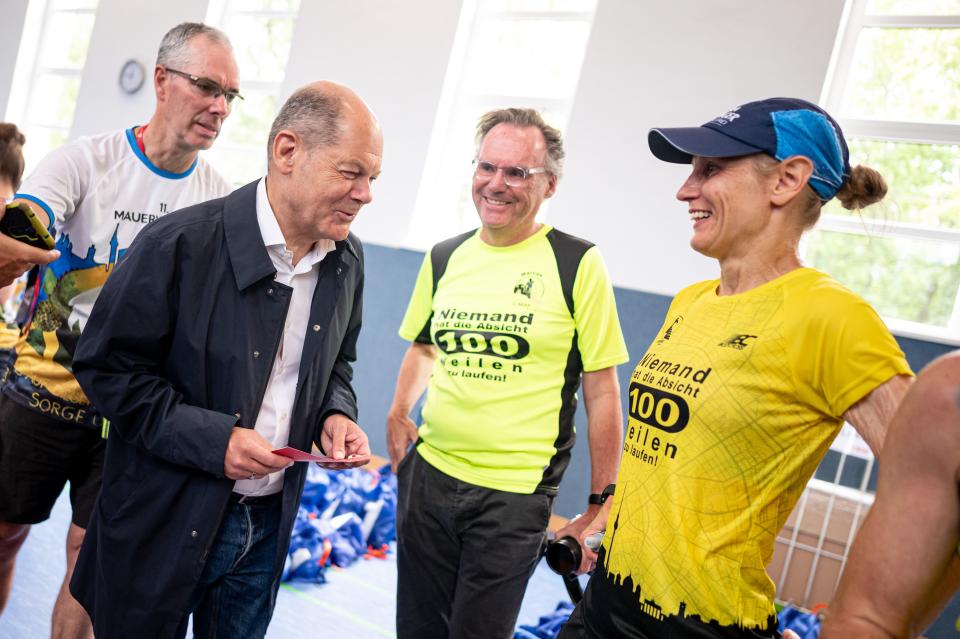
{"type": "Point", "coordinates": [261, 32]}
{"type": "Point", "coordinates": [46, 80]}
{"type": "Point", "coordinates": [507, 53]}
{"type": "Point", "coordinates": [895, 89]}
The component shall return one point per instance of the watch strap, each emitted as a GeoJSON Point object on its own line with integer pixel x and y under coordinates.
{"type": "Point", "coordinates": [599, 498]}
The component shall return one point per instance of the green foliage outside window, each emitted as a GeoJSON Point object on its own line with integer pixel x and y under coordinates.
{"type": "Point", "coordinates": [906, 279]}
{"type": "Point", "coordinates": [901, 75]}
{"type": "Point", "coordinates": [905, 74]}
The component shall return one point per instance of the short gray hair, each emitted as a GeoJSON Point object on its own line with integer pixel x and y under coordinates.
{"type": "Point", "coordinates": [312, 114]}
{"type": "Point", "coordinates": [174, 50]}
{"type": "Point", "coordinates": [524, 118]}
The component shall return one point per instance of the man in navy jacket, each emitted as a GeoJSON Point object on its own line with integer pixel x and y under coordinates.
{"type": "Point", "coordinates": [206, 353]}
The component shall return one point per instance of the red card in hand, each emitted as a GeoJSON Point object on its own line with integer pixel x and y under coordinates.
{"type": "Point", "coordinates": [301, 456]}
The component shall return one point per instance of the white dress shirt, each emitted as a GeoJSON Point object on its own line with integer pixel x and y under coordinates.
{"type": "Point", "coordinates": [273, 420]}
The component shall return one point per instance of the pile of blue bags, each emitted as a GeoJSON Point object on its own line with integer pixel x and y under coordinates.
{"type": "Point", "coordinates": [343, 516]}
{"type": "Point", "coordinates": [805, 624]}
{"type": "Point", "coordinates": [548, 627]}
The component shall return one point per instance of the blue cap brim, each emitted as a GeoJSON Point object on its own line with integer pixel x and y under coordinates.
{"type": "Point", "coordinates": [681, 144]}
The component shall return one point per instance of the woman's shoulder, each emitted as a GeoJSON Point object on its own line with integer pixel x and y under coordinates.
{"type": "Point", "coordinates": [817, 304]}
{"type": "Point", "coordinates": [818, 291]}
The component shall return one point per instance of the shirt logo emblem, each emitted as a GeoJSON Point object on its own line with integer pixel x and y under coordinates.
{"type": "Point", "coordinates": [529, 285]}
{"type": "Point", "coordinates": [667, 334]}
{"type": "Point", "coordinates": [738, 342]}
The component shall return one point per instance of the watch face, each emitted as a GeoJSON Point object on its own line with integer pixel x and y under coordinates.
{"type": "Point", "coordinates": [132, 76]}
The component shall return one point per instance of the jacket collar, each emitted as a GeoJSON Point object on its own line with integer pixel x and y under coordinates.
{"type": "Point", "coordinates": [248, 255]}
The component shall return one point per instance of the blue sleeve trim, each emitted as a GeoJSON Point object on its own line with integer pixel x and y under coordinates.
{"type": "Point", "coordinates": [150, 165]}
{"type": "Point", "coordinates": [43, 205]}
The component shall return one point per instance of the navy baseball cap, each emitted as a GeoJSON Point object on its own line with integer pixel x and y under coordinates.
{"type": "Point", "coordinates": [779, 127]}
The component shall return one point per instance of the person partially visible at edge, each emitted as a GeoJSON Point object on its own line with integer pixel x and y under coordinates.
{"type": "Point", "coordinates": [96, 194]}
{"type": "Point", "coordinates": [11, 173]}
{"type": "Point", "coordinates": [16, 258]}
{"type": "Point", "coordinates": [749, 380]}
{"type": "Point", "coordinates": [505, 322]}
{"type": "Point", "coordinates": [228, 332]}
{"type": "Point", "coordinates": [904, 564]}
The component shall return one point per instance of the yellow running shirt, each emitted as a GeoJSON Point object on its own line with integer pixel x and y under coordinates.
{"type": "Point", "coordinates": [501, 399]}
{"type": "Point", "coordinates": [730, 411]}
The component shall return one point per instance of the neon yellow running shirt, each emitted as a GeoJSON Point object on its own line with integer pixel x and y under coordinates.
{"type": "Point", "coordinates": [500, 404]}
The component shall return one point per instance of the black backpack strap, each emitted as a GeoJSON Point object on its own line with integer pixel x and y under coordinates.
{"type": "Point", "coordinates": [569, 251]}
{"type": "Point", "coordinates": [439, 257]}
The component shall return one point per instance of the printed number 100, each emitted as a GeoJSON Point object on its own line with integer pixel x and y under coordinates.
{"type": "Point", "coordinates": [482, 342]}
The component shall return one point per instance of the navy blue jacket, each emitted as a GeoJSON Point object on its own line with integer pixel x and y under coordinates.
{"type": "Point", "coordinates": [178, 351]}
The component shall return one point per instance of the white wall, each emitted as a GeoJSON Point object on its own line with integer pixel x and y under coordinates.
{"type": "Point", "coordinates": [11, 26]}
{"type": "Point", "coordinates": [647, 64]}
{"type": "Point", "coordinates": [653, 64]}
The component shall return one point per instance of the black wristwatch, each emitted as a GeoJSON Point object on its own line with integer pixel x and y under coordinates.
{"type": "Point", "coordinates": [599, 498]}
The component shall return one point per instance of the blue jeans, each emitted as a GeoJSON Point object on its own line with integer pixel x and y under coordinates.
{"type": "Point", "coordinates": [237, 590]}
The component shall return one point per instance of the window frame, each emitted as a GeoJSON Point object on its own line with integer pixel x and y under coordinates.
{"type": "Point", "coordinates": [27, 75]}
{"type": "Point", "coordinates": [853, 22]}
{"type": "Point", "coordinates": [219, 15]}
{"type": "Point", "coordinates": [426, 225]}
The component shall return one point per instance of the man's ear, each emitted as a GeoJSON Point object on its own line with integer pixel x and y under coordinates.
{"type": "Point", "coordinates": [159, 75]}
{"type": "Point", "coordinates": [792, 175]}
{"type": "Point", "coordinates": [552, 185]}
{"type": "Point", "coordinates": [286, 145]}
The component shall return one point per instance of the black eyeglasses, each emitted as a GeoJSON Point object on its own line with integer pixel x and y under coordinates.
{"type": "Point", "coordinates": [208, 87]}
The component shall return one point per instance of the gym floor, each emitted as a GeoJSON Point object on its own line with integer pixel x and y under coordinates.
{"type": "Point", "coordinates": [356, 602]}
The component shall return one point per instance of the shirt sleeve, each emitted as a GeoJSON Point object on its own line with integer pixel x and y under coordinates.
{"type": "Point", "coordinates": [600, 338]}
{"type": "Point", "coordinates": [58, 183]}
{"type": "Point", "coordinates": [416, 321]}
{"type": "Point", "coordinates": [843, 350]}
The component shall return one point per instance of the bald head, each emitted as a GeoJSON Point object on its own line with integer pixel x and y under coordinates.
{"type": "Point", "coordinates": [320, 113]}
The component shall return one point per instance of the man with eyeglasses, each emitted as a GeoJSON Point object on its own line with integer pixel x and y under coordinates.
{"type": "Point", "coordinates": [96, 194]}
{"type": "Point", "coordinates": [505, 321]}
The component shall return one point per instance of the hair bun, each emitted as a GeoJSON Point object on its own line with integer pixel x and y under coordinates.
{"type": "Point", "coordinates": [865, 187]}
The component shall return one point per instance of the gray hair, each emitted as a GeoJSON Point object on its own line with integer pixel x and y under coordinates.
{"type": "Point", "coordinates": [524, 118]}
{"type": "Point", "coordinates": [174, 51]}
{"type": "Point", "coordinates": [312, 114]}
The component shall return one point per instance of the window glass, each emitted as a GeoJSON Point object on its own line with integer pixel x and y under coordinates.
{"type": "Point", "coordinates": [47, 74]}
{"type": "Point", "coordinates": [913, 7]}
{"type": "Point", "coordinates": [53, 100]}
{"type": "Point", "coordinates": [261, 45]}
{"type": "Point", "coordinates": [923, 181]}
{"type": "Point", "coordinates": [903, 278]}
{"type": "Point", "coordinates": [261, 32]}
{"type": "Point", "coordinates": [526, 57]}
{"type": "Point", "coordinates": [66, 40]}
{"type": "Point", "coordinates": [40, 141]}
{"type": "Point", "coordinates": [516, 53]}
{"type": "Point", "coordinates": [541, 5]}
{"type": "Point", "coordinates": [905, 74]}
{"type": "Point", "coordinates": [291, 6]}
{"type": "Point", "coordinates": [896, 92]}
{"type": "Point", "coordinates": [68, 5]}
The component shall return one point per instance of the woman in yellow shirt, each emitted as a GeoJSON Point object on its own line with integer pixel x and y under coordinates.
{"type": "Point", "coordinates": [750, 379]}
